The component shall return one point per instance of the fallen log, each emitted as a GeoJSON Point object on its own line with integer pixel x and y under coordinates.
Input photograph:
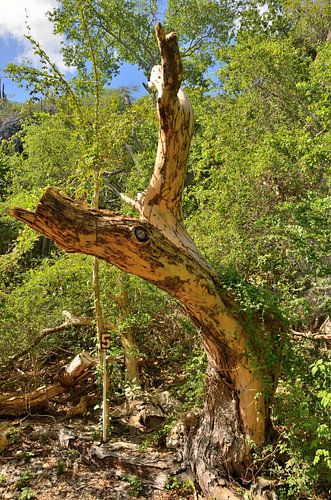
{"type": "Point", "coordinates": [22, 404]}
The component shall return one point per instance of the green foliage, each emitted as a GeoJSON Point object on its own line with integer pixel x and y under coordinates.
{"type": "Point", "coordinates": [23, 480]}
{"type": "Point", "coordinates": [73, 454]}
{"type": "Point", "coordinates": [136, 486]}
{"type": "Point", "coordinates": [256, 199]}
{"type": "Point", "coordinates": [27, 494]}
{"type": "Point", "coordinates": [61, 152]}
{"type": "Point", "coordinates": [191, 392]}
{"type": "Point", "coordinates": [60, 466]}
{"type": "Point", "coordinates": [50, 146]}
{"type": "Point", "coordinates": [257, 203]}
{"type": "Point", "coordinates": [14, 436]}
{"type": "Point", "coordinates": [300, 458]}
{"type": "Point", "coordinates": [176, 484]}
{"type": "Point", "coordinates": [38, 301]}
{"type": "Point", "coordinates": [202, 27]}
{"type": "Point", "coordinates": [116, 41]}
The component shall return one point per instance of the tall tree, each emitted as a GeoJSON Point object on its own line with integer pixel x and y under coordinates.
{"type": "Point", "coordinates": [125, 31]}
{"type": "Point", "coordinates": [242, 347]}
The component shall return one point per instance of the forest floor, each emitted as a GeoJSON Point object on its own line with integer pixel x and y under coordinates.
{"type": "Point", "coordinates": [50, 455]}
{"type": "Point", "coordinates": [47, 459]}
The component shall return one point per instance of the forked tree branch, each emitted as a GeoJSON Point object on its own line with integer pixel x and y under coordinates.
{"type": "Point", "coordinates": [242, 350]}
{"type": "Point", "coordinates": [73, 227]}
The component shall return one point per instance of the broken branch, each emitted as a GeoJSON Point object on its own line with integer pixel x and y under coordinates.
{"type": "Point", "coordinates": [162, 202]}
{"type": "Point", "coordinates": [17, 405]}
{"type": "Point", "coordinates": [129, 201]}
{"type": "Point", "coordinates": [71, 320]}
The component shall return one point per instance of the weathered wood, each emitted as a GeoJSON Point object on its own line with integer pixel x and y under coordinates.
{"type": "Point", "coordinates": [75, 369]}
{"type": "Point", "coordinates": [117, 239]}
{"type": "Point", "coordinates": [154, 468]}
{"type": "Point", "coordinates": [31, 402]}
{"type": "Point", "coordinates": [164, 193]}
{"type": "Point", "coordinates": [22, 404]}
{"type": "Point", "coordinates": [240, 383]}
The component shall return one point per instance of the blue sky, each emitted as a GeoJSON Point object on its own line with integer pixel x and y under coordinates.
{"type": "Point", "coordinates": [14, 47]}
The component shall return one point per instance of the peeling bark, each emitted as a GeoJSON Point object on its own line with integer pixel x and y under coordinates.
{"type": "Point", "coordinates": [157, 247]}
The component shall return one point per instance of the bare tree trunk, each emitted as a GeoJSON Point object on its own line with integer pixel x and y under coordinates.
{"type": "Point", "coordinates": [241, 379]}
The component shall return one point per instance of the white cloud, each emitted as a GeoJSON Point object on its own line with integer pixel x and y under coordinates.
{"type": "Point", "coordinates": [14, 16]}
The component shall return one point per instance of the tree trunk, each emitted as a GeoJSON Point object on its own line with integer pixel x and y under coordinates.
{"type": "Point", "coordinates": [242, 349]}
{"type": "Point", "coordinates": [218, 449]}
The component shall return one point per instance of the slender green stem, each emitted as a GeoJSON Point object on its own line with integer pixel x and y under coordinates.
{"type": "Point", "coordinates": [100, 323]}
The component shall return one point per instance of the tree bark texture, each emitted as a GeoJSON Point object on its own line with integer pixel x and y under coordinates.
{"type": "Point", "coordinates": [157, 247]}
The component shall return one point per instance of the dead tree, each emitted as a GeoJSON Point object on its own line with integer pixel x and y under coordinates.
{"type": "Point", "coordinates": [240, 382]}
